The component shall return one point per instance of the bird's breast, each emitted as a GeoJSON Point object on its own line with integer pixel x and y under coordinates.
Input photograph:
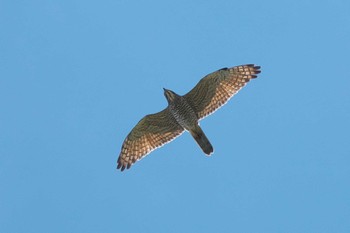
{"type": "Point", "coordinates": [184, 114]}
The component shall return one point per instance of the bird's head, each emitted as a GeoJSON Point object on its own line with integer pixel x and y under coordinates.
{"type": "Point", "coordinates": [169, 95]}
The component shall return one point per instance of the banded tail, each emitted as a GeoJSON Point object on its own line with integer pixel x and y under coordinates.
{"type": "Point", "coordinates": [202, 140]}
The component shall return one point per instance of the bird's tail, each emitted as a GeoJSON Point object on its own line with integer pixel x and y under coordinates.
{"type": "Point", "coordinates": [202, 140]}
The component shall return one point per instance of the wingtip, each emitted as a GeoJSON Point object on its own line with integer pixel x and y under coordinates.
{"type": "Point", "coordinates": [255, 71]}
{"type": "Point", "coordinates": [121, 165]}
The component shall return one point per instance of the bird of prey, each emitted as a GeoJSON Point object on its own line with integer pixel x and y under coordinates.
{"type": "Point", "coordinates": [184, 112]}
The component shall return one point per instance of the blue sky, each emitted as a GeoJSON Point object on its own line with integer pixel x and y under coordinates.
{"type": "Point", "coordinates": [76, 76]}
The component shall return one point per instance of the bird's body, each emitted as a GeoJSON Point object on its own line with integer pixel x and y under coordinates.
{"type": "Point", "coordinates": [184, 113]}
{"type": "Point", "coordinates": [186, 117]}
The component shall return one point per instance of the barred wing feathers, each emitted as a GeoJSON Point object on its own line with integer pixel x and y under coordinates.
{"type": "Point", "coordinates": [215, 89]}
{"type": "Point", "coordinates": [151, 132]}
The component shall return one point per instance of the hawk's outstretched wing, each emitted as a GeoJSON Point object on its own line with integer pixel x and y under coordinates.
{"type": "Point", "coordinates": [151, 132]}
{"type": "Point", "coordinates": [215, 89]}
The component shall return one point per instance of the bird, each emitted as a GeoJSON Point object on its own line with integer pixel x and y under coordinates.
{"type": "Point", "coordinates": [183, 113]}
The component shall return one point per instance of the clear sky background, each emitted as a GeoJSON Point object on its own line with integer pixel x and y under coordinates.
{"type": "Point", "coordinates": [76, 76]}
